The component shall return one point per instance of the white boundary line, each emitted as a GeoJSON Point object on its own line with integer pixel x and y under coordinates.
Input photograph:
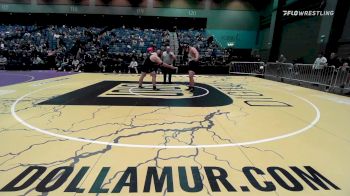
{"type": "Point", "coordinates": [20, 120]}
{"type": "Point", "coordinates": [6, 92]}
{"type": "Point", "coordinates": [140, 95]}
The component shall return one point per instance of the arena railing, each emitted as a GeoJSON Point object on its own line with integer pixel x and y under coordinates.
{"type": "Point", "coordinates": [309, 74]}
{"type": "Point", "coordinates": [247, 68]}
{"type": "Point", "coordinates": [341, 79]}
{"type": "Point", "coordinates": [327, 76]}
{"type": "Point", "coordinates": [279, 70]}
{"type": "Point", "coordinates": [306, 73]}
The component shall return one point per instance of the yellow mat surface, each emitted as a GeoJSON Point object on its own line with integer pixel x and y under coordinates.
{"type": "Point", "coordinates": [98, 134]}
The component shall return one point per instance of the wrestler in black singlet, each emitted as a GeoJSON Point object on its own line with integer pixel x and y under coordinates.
{"type": "Point", "coordinates": [148, 66]}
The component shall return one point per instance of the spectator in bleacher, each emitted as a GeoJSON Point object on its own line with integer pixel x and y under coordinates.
{"type": "Point", "coordinates": [281, 59]}
{"type": "Point", "coordinates": [344, 74]}
{"type": "Point", "coordinates": [166, 37]}
{"type": "Point", "coordinates": [133, 65]}
{"type": "Point", "coordinates": [14, 60]}
{"type": "Point", "coordinates": [334, 60]}
{"type": "Point", "coordinates": [102, 62]}
{"type": "Point", "coordinates": [133, 42]}
{"type": "Point", "coordinates": [126, 62]}
{"type": "Point", "coordinates": [169, 58]}
{"type": "Point", "coordinates": [180, 50]}
{"type": "Point", "coordinates": [76, 41]}
{"type": "Point", "coordinates": [213, 56]}
{"type": "Point", "coordinates": [25, 61]}
{"type": "Point", "coordinates": [112, 60]}
{"type": "Point", "coordinates": [119, 63]}
{"type": "Point", "coordinates": [210, 40]}
{"type": "Point", "coordinates": [89, 62]}
{"type": "Point", "coordinates": [144, 55]}
{"type": "Point", "coordinates": [140, 58]}
{"type": "Point", "coordinates": [76, 64]}
{"type": "Point", "coordinates": [2, 45]}
{"type": "Point", "coordinates": [345, 67]}
{"type": "Point", "coordinates": [63, 64]}
{"type": "Point", "coordinates": [320, 62]}
{"type": "Point", "coordinates": [185, 55]}
{"type": "Point", "coordinates": [257, 58]}
{"type": "Point", "coordinates": [142, 43]}
{"type": "Point", "coordinates": [51, 59]}
{"type": "Point", "coordinates": [37, 61]}
{"type": "Point", "coordinates": [344, 62]}
{"type": "Point", "coordinates": [180, 53]}
{"type": "Point", "coordinates": [81, 66]}
{"type": "Point", "coordinates": [3, 61]}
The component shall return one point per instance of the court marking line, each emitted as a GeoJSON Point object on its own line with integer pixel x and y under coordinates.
{"type": "Point", "coordinates": [23, 122]}
{"type": "Point", "coordinates": [140, 95]}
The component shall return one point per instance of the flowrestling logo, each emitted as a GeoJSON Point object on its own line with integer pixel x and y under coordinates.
{"type": "Point", "coordinates": [307, 13]}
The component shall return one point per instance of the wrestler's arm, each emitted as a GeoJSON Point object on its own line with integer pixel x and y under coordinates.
{"type": "Point", "coordinates": [156, 59]}
{"type": "Point", "coordinates": [195, 54]}
{"type": "Point", "coordinates": [173, 56]}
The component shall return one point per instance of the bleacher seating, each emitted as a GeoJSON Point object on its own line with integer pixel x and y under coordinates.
{"type": "Point", "coordinates": [30, 41]}
{"type": "Point", "coordinates": [198, 38]}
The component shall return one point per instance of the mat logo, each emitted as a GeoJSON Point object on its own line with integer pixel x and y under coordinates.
{"type": "Point", "coordinates": [293, 179]}
{"type": "Point", "coordinates": [127, 93]}
{"type": "Point", "coordinates": [165, 91]}
{"type": "Point", "coordinates": [250, 97]}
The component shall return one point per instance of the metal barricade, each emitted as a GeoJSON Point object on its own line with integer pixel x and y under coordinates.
{"type": "Point", "coordinates": [327, 76]}
{"type": "Point", "coordinates": [308, 74]}
{"type": "Point", "coordinates": [342, 79]}
{"type": "Point", "coordinates": [247, 68]}
{"type": "Point", "coordinates": [301, 72]}
{"type": "Point", "coordinates": [279, 70]}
